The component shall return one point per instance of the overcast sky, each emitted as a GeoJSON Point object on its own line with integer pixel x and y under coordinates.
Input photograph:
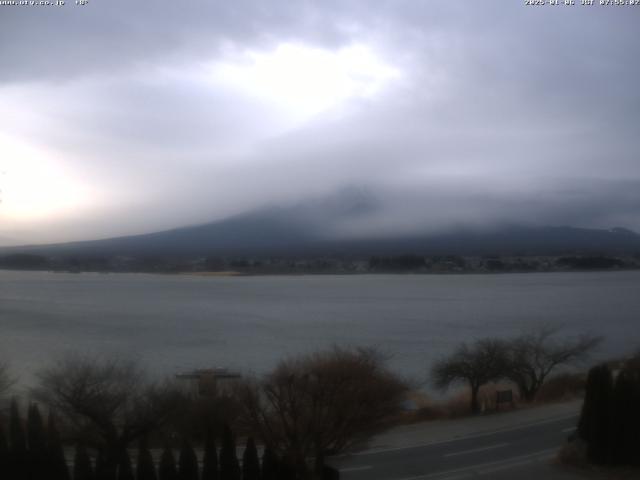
{"type": "Point", "coordinates": [121, 117]}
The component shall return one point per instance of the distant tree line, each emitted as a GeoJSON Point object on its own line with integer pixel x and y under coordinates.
{"type": "Point", "coordinates": [24, 261]}
{"type": "Point", "coordinates": [397, 263]}
{"type": "Point", "coordinates": [590, 263]}
{"type": "Point", "coordinates": [404, 263]}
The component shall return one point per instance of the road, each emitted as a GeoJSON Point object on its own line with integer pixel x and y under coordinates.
{"type": "Point", "coordinates": [520, 451]}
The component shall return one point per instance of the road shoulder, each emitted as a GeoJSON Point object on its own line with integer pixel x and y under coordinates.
{"type": "Point", "coordinates": [437, 431]}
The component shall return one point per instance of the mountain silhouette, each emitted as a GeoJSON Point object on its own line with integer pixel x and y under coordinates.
{"type": "Point", "coordinates": [306, 229]}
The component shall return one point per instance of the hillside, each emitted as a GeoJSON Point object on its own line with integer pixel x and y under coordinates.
{"type": "Point", "coordinates": [293, 232]}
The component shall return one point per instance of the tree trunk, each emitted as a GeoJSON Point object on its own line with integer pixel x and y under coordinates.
{"type": "Point", "coordinates": [530, 394]}
{"type": "Point", "coordinates": [475, 406]}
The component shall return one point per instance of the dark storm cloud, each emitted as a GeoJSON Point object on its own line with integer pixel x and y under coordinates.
{"type": "Point", "coordinates": [502, 113]}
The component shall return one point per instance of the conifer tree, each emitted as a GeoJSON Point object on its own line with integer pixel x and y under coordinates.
{"type": "Point", "coordinates": [269, 464]}
{"type": "Point", "coordinates": [585, 423]}
{"type": "Point", "coordinates": [167, 469]}
{"type": "Point", "coordinates": [18, 444]}
{"type": "Point", "coordinates": [82, 468]}
{"type": "Point", "coordinates": [595, 421]}
{"type": "Point", "coordinates": [229, 467]}
{"type": "Point", "coordinates": [187, 462]}
{"type": "Point", "coordinates": [16, 432]}
{"type": "Point", "coordinates": [210, 459]}
{"type": "Point", "coordinates": [38, 460]}
{"type": "Point", "coordinates": [330, 473]}
{"type": "Point", "coordinates": [4, 454]}
{"type": "Point", "coordinates": [125, 470]}
{"type": "Point", "coordinates": [285, 470]}
{"type": "Point", "coordinates": [621, 435]}
{"type": "Point", "coordinates": [146, 470]}
{"type": "Point", "coordinates": [55, 452]}
{"type": "Point", "coordinates": [103, 470]}
{"type": "Point", "coordinates": [634, 420]}
{"type": "Point", "coordinates": [36, 437]}
{"type": "Point", "coordinates": [250, 461]}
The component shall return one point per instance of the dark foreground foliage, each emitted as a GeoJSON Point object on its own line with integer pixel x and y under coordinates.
{"type": "Point", "coordinates": [38, 454]}
{"type": "Point", "coordinates": [610, 419]}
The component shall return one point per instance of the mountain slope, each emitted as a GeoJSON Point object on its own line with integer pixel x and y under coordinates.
{"type": "Point", "coordinates": [300, 232]}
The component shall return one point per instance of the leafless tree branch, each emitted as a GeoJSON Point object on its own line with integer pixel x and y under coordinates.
{"type": "Point", "coordinates": [321, 403]}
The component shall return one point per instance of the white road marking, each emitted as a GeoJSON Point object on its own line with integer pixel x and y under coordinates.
{"type": "Point", "coordinates": [507, 463]}
{"type": "Point", "coordinates": [474, 450]}
{"type": "Point", "coordinates": [356, 469]}
{"type": "Point", "coordinates": [518, 463]}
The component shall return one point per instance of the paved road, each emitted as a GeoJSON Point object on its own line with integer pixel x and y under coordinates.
{"type": "Point", "coordinates": [521, 451]}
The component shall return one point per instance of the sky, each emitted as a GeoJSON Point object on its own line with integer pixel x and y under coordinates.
{"type": "Point", "coordinates": [126, 117]}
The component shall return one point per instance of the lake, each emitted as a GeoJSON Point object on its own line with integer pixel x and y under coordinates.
{"type": "Point", "coordinates": [178, 322]}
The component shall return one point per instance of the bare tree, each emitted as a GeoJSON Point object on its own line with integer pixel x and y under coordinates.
{"type": "Point", "coordinates": [110, 399]}
{"type": "Point", "coordinates": [476, 364]}
{"type": "Point", "coordinates": [322, 403]}
{"type": "Point", "coordinates": [533, 356]}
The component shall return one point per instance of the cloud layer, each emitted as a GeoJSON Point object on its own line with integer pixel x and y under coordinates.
{"type": "Point", "coordinates": [123, 118]}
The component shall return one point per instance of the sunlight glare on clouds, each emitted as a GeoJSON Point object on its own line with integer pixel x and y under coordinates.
{"type": "Point", "coordinates": [304, 80]}
{"type": "Point", "coordinates": [34, 186]}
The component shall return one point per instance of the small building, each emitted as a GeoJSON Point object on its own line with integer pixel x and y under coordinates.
{"type": "Point", "coordinates": [208, 382]}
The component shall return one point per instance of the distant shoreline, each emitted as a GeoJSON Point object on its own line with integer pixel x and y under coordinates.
{"type": "Point", "coordinates": [233, 273]}
{"type": "Point", "coordinates": [223, 273]}
{"type": "Point", "coordinates": [324, 265]}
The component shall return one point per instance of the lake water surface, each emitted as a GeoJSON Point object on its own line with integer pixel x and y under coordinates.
{"type": "Point", "coordinates": [176, 322]}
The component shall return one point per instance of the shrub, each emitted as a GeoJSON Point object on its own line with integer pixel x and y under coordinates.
{"type": "Point", "coordinates": [563, 386]}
